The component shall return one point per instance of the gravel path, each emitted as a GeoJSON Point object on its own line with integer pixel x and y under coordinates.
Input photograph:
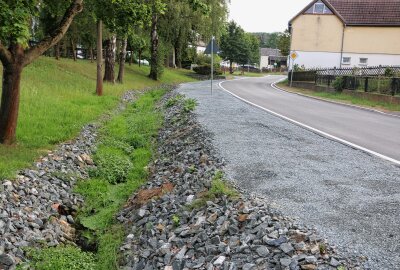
{"type": "Point", "coordinates": [351, 197]}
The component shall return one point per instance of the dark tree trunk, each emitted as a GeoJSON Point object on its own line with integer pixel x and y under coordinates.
{"type": "Point", "coordinates": [73, 49]}
{"type": "Point", "coordinates": [178, 56]}
{"type": "Point", "coordinates": [57, 51]}
{"type": "Point", "coordinates": [99, 84]}
{"type": "Point", "coordinates": [154, 49]}
{"type": "Point", "coordinates": [10, 96]}
{"type": "Point", "coordinates": [91, 56]}
{"type": "Point", "coordinates": [109, 73]}
{"type": "Point", "coordinates": [230, 67]}
{"type": "Point", "coordinates": [122, 58]}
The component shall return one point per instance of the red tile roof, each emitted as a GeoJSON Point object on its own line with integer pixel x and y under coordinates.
{"type": "Point", "coordinates": [368, 12]}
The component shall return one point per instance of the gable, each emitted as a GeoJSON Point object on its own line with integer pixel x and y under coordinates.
{"type": "Point", "coordinates": [318, 7]}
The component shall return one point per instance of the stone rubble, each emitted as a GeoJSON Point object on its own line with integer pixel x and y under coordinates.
{"type": "Point", "coordinates": [168, 231]}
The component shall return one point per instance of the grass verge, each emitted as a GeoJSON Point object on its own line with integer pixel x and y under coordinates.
{"type": "Point", "coordinates": [341, 97]}
{"type": "Point", "coordinates": [57, 99]}
{"type": "Point", "coordinates": [125, 149]}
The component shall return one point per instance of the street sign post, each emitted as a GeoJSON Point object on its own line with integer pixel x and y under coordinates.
{"type": "Point", "coordinates": [293, 56]}
{"type": "Point", "coordinates": [212, 48]}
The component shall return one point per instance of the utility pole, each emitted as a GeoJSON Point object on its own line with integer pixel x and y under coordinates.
{"type": "Point", "coordinates": [212, 63]}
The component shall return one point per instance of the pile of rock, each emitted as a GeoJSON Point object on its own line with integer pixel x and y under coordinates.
{"type": "Point", "coordinates": [168, 229]}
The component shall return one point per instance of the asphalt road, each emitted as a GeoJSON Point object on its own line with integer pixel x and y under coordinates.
{"type": "Point", "coordinates": [350, 196]}
{"type": "Point", "coordinates": [371, 130]}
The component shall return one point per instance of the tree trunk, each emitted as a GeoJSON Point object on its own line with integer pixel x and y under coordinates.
{"type": "Point", "coordinates": [57, 51]}
{"type": "Point", "coordinates": [109, 74]}
{"type": "Point", "coordinates": [154, 49]}
{"type": "Point", "coordinates": [10, 96]}
{"type": "Point", "coordinates": [178, 56]}
{"type": "Point", "coordinates": [73, 49]}
{"type": "Point", "coordinates": [173, 58]}
{"type": "Point", "coordinates": [122, 58]}
{"type": "Point", "coordinates": [131, 56]}
{"type": "Point", "coordinates": [91, 56]}
{"type": "Point", "coordinates": [99, 83]}
{"type": "Point", "coordinates": [140, 57]}
{"type": "Point", "coordinates": [230, 67]}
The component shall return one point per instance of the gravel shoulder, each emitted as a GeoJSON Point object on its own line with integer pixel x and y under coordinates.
{"type": "Point", "coordinates": [348, 195]}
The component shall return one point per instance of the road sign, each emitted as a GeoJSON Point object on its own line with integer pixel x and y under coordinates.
{"type": "Point", "coordinates": [294, 55]}
{"type": "Point", "coordinates": [212, 47]}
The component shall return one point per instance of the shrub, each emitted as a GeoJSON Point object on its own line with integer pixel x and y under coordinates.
{"type": "Point", "coordinates": [189, 105]}
{"type": "Point", "coordinates": [206, 70]}
{"type": "Point", "coordinates": [112, 164]}
{"type": "Point", "coordinates": [61, 258]}
{"type": "Point", "coordinates": [339, 84]}
{"type": "Point", "coordinates": [389, 72]}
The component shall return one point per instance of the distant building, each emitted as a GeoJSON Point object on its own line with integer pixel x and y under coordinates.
{"type": "Point", "coordinates": [271, 56]}
{"type": "Point", "coordinates": [347, 33]}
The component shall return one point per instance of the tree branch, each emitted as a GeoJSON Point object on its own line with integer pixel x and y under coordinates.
{"type": "Point", "coordinates": [5, 55]}
{"type": "Point", "coordinates": [54, 37]}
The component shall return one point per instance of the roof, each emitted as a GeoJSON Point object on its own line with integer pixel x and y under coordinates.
{"type": "Point", "coordinates": [270, 52]}
{"type": "Point", "coordinates": [363, 12]}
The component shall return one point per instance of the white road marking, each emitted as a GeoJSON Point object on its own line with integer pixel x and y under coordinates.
{"type": "Point", "coordinates": [325, 134]}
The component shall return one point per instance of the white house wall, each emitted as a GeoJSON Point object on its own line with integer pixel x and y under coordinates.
{"type": "Point", "coordinates": [264, 61]}
{"type": "Point", "coordinates": [330, 60]}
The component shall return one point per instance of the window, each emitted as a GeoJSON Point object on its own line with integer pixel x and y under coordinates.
{"type": "Point", "coordinates": [363, 61]}
{"type": "Point", "coordinates": [346, 60]}
{"type": "Point", "coordinates": [319, 8]}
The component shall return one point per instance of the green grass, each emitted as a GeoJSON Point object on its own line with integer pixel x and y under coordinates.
{"type": "Point", "coordinates": [246, 74]}
{"type": "Point", "coordinates": [345, 98]}
{"type": "Point", "coordinates": [57, 99]}
{"type": "Point", "coordinates": [104, 195]}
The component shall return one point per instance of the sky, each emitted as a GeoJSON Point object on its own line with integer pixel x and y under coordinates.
{"type": "Point", "coordinates": [265, 15]}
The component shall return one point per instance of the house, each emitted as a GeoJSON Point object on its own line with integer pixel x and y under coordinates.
{"type": "Point", "coordinates": [271, 56]}
{"type": "Point", "coordinates": [347, 33]}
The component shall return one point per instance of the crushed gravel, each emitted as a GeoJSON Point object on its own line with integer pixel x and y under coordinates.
{"type": "Point", "coordinates": [352, 198]}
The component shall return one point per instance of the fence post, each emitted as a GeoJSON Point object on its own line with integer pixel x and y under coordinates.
{"type": "Point", "coordinates": [366, 85]}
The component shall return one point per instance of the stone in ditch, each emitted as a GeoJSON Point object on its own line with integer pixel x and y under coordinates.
{"type": "Point", "coordinates": [215, 240]}
{"type": "Point", "coordinates": [262, 251]}
{"type": "Point", "coordinates": [189, 199]}
{"type": "Point", "coordinates": [275, 242]}
{"type": "Point", "coordinates": [334, 262]}
{"type": "Point", "coordinates": [249, 266]}
{"type": "Point", "coordinates": [311, 259]}
{"type": "Point", "coordinates": [308, 267]}
{"type": "Point", "coordinates": [6, 261]}
{"type": "Point", "coordinates": [178, 265]}
{"type": "Point", "coordinates": [220, 261]}
{"type": "Point", "coordinates": [286, 247]}
{"type": "Point", "coordinates": [285, 262]}
{"type": "Point", "coordinates": [181, 253]}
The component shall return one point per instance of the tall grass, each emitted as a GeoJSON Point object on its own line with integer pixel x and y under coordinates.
{"type": "Point", "coordinates": [57, 99]}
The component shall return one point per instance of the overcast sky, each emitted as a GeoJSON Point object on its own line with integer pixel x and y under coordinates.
{"type": "Point", "coordinates": [265, 15]}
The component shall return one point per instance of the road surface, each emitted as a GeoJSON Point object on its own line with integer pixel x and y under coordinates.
{"type": "Point", "coordinates": [350, 196]}
{"type": "Point", "coordinates": [371, 130]}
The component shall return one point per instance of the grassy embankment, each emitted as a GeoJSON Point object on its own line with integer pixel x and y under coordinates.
{"type": "Point", "coordinates": [343, 98]}
{"type": "Point", "coordinates": [57, 99]}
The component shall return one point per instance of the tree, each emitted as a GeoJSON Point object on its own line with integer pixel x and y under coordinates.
{"type": "Point", "coordinates": [157, 9]}
{"type": "Point", "coordinates": [15, 53]}
{"type": "Point", "coordinates": [284, 42]}
{"type": "Point", "coordinates": [254, 48]}
{"type": "Point", "coordinates": [233, 45]}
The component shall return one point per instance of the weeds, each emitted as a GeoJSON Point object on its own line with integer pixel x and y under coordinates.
{"type": "Point", "coordinates": [189, 105]}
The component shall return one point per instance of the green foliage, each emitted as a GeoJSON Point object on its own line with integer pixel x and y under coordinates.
{"type": "Point", "coordinates": [113, 165]}
{"type": "Point", "coordinates": [389, 72]}
{"type": "Point", "coordinates": [176, 220]}
{"type": "Point", "coordinates": [283, 42]}
{"type": "Point", "coordinates": [339, 84]}
{"type": "Point", "coordinates": [206, 70]}
{"type": "Point", "coordinates": [17, 29]}
{"type": "Point", "coordinates": [61, 258]}
{"type": "Point", "coordinates": [174, 101]}
{"type": "Point", "coordinates": [219, 187]}
{"type": "Point", "coordinates": [189, 105]}
{"type": "Point", "coordinates": [238, 46]}
{"type": "Point", "coordinates": [135, 128]}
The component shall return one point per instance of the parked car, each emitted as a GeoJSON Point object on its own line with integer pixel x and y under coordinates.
{"type": "Point", "coordinates": [143, 62]}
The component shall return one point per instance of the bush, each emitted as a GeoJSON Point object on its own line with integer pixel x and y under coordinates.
{"type": "Point", "coordinates": [189, 105]}
{"type": "Point", "coordinates": [339, 84]}
{"type": "Point", "coordinates": [61, 258]}
{"type": "Point", "coordinates": [206, 70]}
{"type": "Point", "coordinates": [112, 164]}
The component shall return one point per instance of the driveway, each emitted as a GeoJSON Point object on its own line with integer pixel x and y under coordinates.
{"type": "Point", "coordinates": [350, 196]}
